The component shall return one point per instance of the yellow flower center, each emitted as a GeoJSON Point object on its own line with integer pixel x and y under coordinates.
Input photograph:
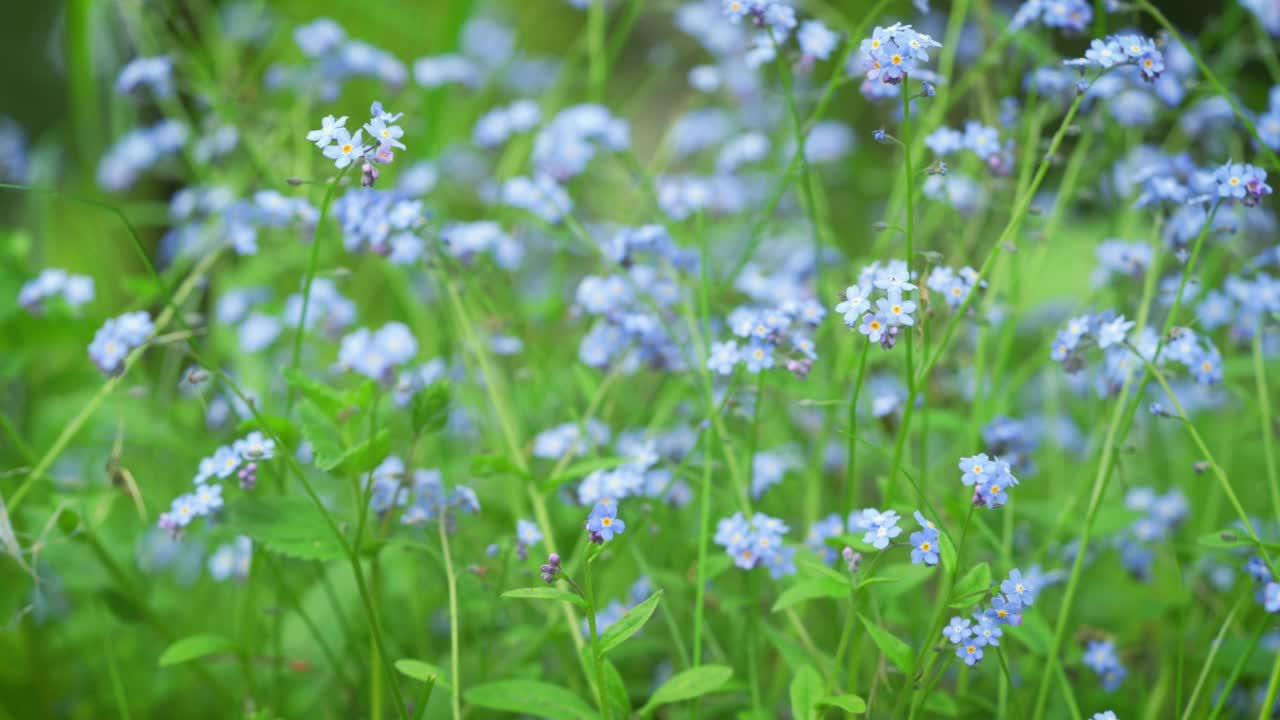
{"type": "Point", "coordinates": [926, 546]}
{"type": "Point", "coordinates": [606, 521]}
{"type": "Point", "coordinates": [346, 148]}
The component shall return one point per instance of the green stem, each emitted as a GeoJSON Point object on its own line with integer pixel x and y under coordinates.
{"type": "Point", "coordinates": [310, 277]}
{"type": "Point", "coordinates": [1224, 692]}
{"type": "Point", "coordinates": [704, 535]}
{"type": "Point", "coordinates": [455, 681]}
{"type": "Point", "coordinates": [910, 185]}
{"type": "Point", "coordinates": [596, 653]}
{"type": "Point", "coordinates": [1208, 660]}
{"type": "Point", "coordinates": [851, 465]}
{"type": "Point", "coordinates": [597, 60]}
{"type": "Point", "coordinates": [1264, 412]}
{"type": "Point", "coordinates": [1241, 114]}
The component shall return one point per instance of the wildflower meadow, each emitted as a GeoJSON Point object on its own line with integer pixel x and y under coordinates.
{"type": "Point", "coordinates": [612, 359]}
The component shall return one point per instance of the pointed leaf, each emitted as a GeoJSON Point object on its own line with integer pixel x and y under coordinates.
{"type": "Point", "coordinates": [546, 593]}
{"type": "Point", "coordinates": [530, 697]}
{"type": "Point", "coordinates": [421, 671]}
{"type": "Point", "coordinates": [806, 690]}
{"type": "Point", "coordinates": [849, 703]}
{"type": "Point", "coordinates": [327, 399]}
{"type": "Point", "coordinates": [194, 647]}
{"type": "Point", "coordinates": [898, 652]}
{"type": "Point", "coordinates": [629, 624]}
{"type": "Point", "coordinates": [816, 587]}
{"type": "Point", "coordinates": [692, 683]}
{"type": "Point", "coordinates": [970, 588]}
{"type": "Point", "coordinates": [283, 524]}
{"type": "Point", "coordinates": [429, 408]}
{"type": "Point", "coordinates": [359, 458]}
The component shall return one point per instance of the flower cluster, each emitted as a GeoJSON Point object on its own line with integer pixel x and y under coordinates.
{"type": "Point", "coordinates": [953, 285]}
{"type": "Point", "coordinates": [603, 522]}
{"type": "Point", "coordinates": [377, 354]}
{"type": "Point", "coordinates": [466, 240]}
{"type": "Point", "coordinates": [565, 145]}
{"type": "Point", "coordinates": [634, 320]}
{"type": "Point", "coordinates": [768, 333]}
{"type": "Point", "coordinates": [499, 124]}
{"type": "Point", "coordinates": [232, 560]}
{"type": "Point", "coordinates": [384, 222]}
{"type": "Point", "coordinates": [971, 636]}
{"type": "Point", "coordinates": [75, 290]}
{"type": "Point", "coordinates": [1161, 516]}
{"type": "Point", "coordinates": [892, 53]}
{"type": "Point", "coordinates": [1070, 15]}
{"type": "Point", "coordinates": [343, 148]}
{"type": "Point", "coordinates": [882, 321]}
{"type": "Point", "coordinates": [981, 140]}
{"type": "Point", "coordinates": [1110, 332]}
{"type": "Point", "coordinates": [117, 336]}
{"type": "Point", "coordinates": [154, 73]}
{"type": "Point", "coordinates": [1100, 656]}
{"type": "Point", "coordinates": [878, 528]}
{"type": "Point", "coordinates": [333, 59]}
{"type": "Point", "coordinates": [756, 542]}
{"type": "Point", "coordinates": [1243, 302]}
{"type": "Point", "coordinates": [990, 478]}
{"type": "Point", "coordinates": [242, 455]}
{"type": "Point", "coordinates": [423, 498]}
{"type": "Point", "coordinates": [1116, 50]}
{"type": "Point", "coordinates": [1241, 181]}
{"type": "Point", "coordinates": [138, 151]}
{"type": "Point", "coordinates": [639, 476]}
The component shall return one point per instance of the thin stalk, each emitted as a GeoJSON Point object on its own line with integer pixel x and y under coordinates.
{"type": "Point", "coordinates": [1224, 692]}
{"type": "Point", "coordinates": [910, 185]}
{"type": "Point", "coordinates": [704, 535]}
{"type": "Point", "coordinates": [596, 653]}
{"type": "Point", "coordinates": [309, 278]}
{"type": "Point", "coordinates": [851, 464]}
{"type": "Point", "coordinates": [1264, 412]}
{"type": "Point", "coordinates": [455, 682]}
{"type": "Point", "coordinates": [1273, 684]}
{"type": "Point", "coordinates": [1208, 660]}
{"type": "Point", "coordinates": [597, 60]}
{"type": "Point", "coordinates": [1241, 114]}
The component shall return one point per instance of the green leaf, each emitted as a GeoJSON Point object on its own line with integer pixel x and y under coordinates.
{"type": "Point", "coordinates": [283, 524]}
{"type": "Point", "coordinates": [898, 652]}
{"type": "Point", "coordinates": [692, 683]}
{"type": "Point", "coordinates": [327, 399]}
{"type": "Point", "coordinates": [849, 703]}
{"type": "Point", "coordinates": [276, 425]}
{"type": "Point", "coordinates": [360, 458]}
{"type": "Point", "coordinates": [194, 647]}
{"type": "Point", "coordinates": [320, 430]}
{"type": "Point", "coordinates": [947, 553]}
{"type": "Point", "coordinates": [940, 704]}
{"type": "Point", "coordinates": [489, 465]}
{"type": "Point", "coordinates": [546, 593]}
{"type": "Point", "coordinates": [421, 671]}
{"type": "Point", "coordinates": [530, 697]}
{"type": "Point", "coordinates": [615, 690]}
{"type": "Point", "coordinates": [812, 588]}
{"type": "Point", "coordinates": [629, 624]}
{"type": "Point", "coordinates": [429, 409]}
{"type": "Point", "coordinates": [970, 588]}
{"type": "Point", "coordinates": [806, 691]}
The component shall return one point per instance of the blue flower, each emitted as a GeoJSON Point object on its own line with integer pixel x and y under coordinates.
{"type": "Point", "coordinates": [1004, 611]}
{"type": "Point", "coordinates": [971, 653]}
{"type": "Point", "coordinates": [385, 134]}
{"type": "Point", "coordinates": [527, 533]}
{"type": "Point", "coordinates": [957, 630]}
{"type": "Point", "coordinates": [978, 469]}
{"type": "Point", "coordinates": [758, 356]}
{"type": "Point", "coordinates": [225, 461]}
{"type": "Point", "coordinates": [327, 132]}
{"type": "Point", "coordinates": [346, 148]}
{"type": "Point", "coordinates": [924, 547]}
{"type": "Point", "coordinates": [874, 326]}
{"type": "Point", "coordinates": [1113, 332]}
{"type": "Point", "coordinates": [604, 523]}
{"type": "Point", "coordinates": [1104, 715]}
{"type": "Point", "coordinates": [1019, 588]}
{"type": "Point", "coordinates": [724, 356]}
{"type": "Point", "coordinates": [884, 527]}
{"type": "Point", "coordinates": [897, 310]}
{"type": "Point", "coordinates": [1104, 53]}
{"type": "Point", "coordinates": [855, 303]}
{"type": "Point", "coordinates": [986, 631]}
